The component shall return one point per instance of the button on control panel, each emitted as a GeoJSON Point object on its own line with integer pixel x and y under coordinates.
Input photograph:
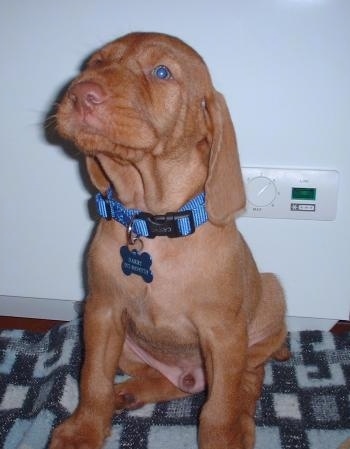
{"type": "Point", "coordinates": [304, 194]}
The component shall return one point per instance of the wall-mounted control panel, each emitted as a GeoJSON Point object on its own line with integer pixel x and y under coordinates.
{"type": "Point", "coordinates": [291, 193]}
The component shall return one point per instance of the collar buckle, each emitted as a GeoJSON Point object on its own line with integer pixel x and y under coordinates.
{"type": "Point", "coordinates": [172, 224]}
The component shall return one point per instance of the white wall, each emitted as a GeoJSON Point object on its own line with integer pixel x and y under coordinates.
{"type": "Point", "coordinates": [284, 68]}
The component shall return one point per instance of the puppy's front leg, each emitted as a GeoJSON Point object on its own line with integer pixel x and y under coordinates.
{"type": "Point", "coordinates": [224, 348]}
{"type": "Point", "coordinates": [90, 423]}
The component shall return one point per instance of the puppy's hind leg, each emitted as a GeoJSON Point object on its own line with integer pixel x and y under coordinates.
{"type": "Point", "coordinates": [282, 354]}
{"type": "Point", "coordinates": [146, 385]}
{"type": "Point", "coordinates": [151, 387]}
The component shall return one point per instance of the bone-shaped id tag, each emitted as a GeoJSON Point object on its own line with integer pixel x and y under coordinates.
{"type": "Point", "coordinates": [137, 263]}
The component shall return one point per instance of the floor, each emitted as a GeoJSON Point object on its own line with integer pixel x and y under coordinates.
{"type": "Point", "coordinates": [36, 325]}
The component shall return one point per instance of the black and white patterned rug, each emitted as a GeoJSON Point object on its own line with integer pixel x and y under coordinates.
{"type": "Point", "coordinates": [305, 402]}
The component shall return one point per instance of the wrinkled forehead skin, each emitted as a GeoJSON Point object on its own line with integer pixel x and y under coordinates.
{"type": "Point", "coordinates": [147, 50]}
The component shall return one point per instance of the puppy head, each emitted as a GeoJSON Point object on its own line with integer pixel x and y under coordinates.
{"type": "Point", "coordinates": [136, 95]}
{"type": "Point", "coordinates": [150, 93]}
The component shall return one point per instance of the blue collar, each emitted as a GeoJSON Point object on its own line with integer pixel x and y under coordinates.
{"type": "Point", "coordinates": [173, 224]}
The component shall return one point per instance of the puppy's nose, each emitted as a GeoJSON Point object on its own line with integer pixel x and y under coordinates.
{"type": "Point", "coordinates": [86, 95]}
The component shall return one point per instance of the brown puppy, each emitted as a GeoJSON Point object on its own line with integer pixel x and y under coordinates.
{"type": "Point", "coordinates": [177, 314]}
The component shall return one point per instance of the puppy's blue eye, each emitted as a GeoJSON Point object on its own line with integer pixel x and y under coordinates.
{"type": "Point", "coordinates": [162, 72]}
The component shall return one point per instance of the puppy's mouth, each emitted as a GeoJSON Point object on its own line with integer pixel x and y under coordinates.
{"type": "Point", "coordinates": [98, 122]}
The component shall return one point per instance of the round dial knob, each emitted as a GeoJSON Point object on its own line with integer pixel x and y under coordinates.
{"type": "Point", "coordinates": [261, 191]}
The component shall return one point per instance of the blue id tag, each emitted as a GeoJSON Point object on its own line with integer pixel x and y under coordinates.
{"type": "Point", "coordinates": [136, 263]}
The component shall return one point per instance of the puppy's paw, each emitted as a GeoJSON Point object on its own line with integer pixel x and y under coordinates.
{"type": "Point", "coordinates": [126, 400]}
{"type": "Point", "coordinates": [77, 434]}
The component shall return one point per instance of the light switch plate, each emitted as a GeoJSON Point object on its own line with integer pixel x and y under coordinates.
{"type": "Point", "coordinates": [303, 194]}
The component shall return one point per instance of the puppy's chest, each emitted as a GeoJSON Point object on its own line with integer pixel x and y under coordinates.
{"type": "Point", "coordinates": [177, 264]}
{"type": "Point", "coordinates": [156, 317]}
{"type": "Point", "coordinates": [163, 338]}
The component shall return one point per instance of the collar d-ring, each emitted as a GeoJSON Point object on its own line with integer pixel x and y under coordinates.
{"type": "Point", "coordinates": [133, 239]}
{"type": "Point", "coordinates": [131, 235]}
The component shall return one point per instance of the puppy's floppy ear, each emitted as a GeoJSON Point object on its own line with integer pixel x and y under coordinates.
{"type": "Point", "coordinates": [97, 175]}
{"type": "Point", "coordinates": [224, 185]}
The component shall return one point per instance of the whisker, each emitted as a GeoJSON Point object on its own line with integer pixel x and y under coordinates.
{"type": "Point", "coordinates": [50, 121]}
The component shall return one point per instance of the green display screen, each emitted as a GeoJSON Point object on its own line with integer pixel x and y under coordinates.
{"type": "Point", "coordinates": [303, 193]}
